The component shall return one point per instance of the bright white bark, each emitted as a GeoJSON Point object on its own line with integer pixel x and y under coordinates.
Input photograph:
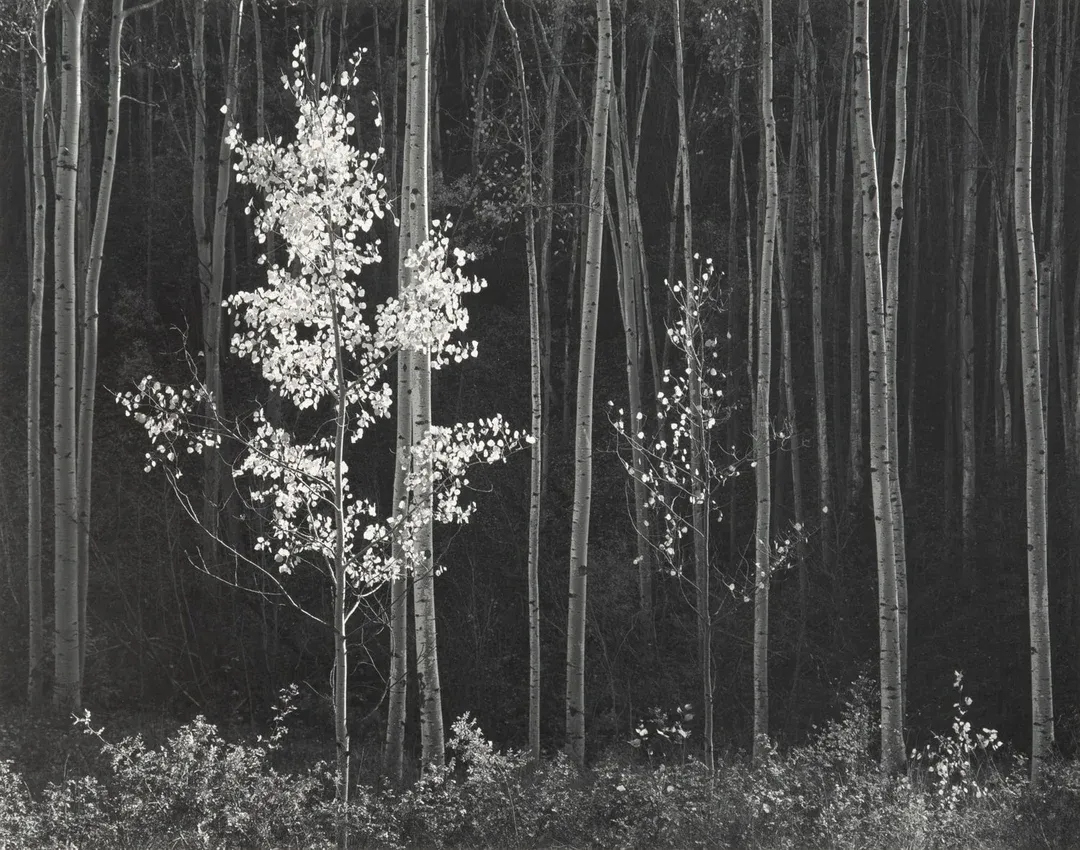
{"type": "Point", "coordinates": [579, 533]}
{"type": "Point", "coordinates": [1042, 696]}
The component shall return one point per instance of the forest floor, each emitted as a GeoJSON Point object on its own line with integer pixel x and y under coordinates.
{"type": "Point", "coordinates": [91, 785]}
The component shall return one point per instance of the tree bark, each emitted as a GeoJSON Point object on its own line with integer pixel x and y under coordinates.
{"type": "Point", "coordinates": [1042, 698]}
{"type": "Point", "coordinates": [67, 686]}
{"type": "Point", "coordinates": [971, 17]}
{"type": "Point", "coordinates": [579, 535]}
{"type": "Point", "coordinates": [762, 531]}
{"type": "Point", "coordinates": [35, 691]}
{"type": "Point", "coordinates": [892, 740]}
{"type": "Point", "coordinates": [536, 388]}
{"type": "Point", "coordinates": [892, 308]}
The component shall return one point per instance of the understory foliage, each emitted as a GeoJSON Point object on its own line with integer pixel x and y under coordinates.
{"type": "Point", "coordinates": [198, 790]}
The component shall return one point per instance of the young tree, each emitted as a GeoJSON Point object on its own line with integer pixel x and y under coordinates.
{"type": "Point", "coordinates": [536, 390]}
{"type": "Point", "coordinates": [67, 686]}
{"type": "Point", "coordinates": [1042, 695]}
{"type": "Point", "coordinates": [892, 740]}
{"type": "Point", "coordinates": [762, 425]}
{"type": "Point", "coordinates": [316, 341]}
{"type": "Point", "coordinates": [579, 534]}
{"type": "Point", "coordinates": [36, 645]}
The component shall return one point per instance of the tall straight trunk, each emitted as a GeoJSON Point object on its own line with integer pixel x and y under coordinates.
{"type": "Point", "coordinates": [35, 692]}
{"type": "Point", "coordinates": [834, 255]}
{"type": "Point", "coordinates": [627, 258]}
{"type": "Point", "coordinates": [857, 316]}
{"type": "Point", "coordinates": [892, 732]}
{"type": "Point", "coordinates": [762, 458]}
{"type": "Point", "coordinates": [536, 389]}
{"type": "Point", "coordinates": [579, 533]}
{"type": "Point", "coordinates": [700, 497]}
{"type": "Point", "coordinates": [733, 341]}
{"type": "Point", "coordinates": [1003, 420]}
{"type": "Point", "coordinates": [971, 17]}
{"type": "Point", "coordinates": [547, 229]}
{"type": "Point", "coordinates": [787, 370]}
{"type": "Point", "coordinates": [919, 173]}
{"type": "Point", "coordinates": [418, 153]}
{"type": "Point", "coordinates": [95, 254]}
{"type": "Point", "coordinates": [892, 308]}
{"type": "Point", "coordinates": [67, 686]}
{"type": "Point", "coordinates": [393, 752]}
{"type": "Point", "coordinates": [1042, 695]}
{"type": "Point", "coordinates": [814, 178]}
{"type": "Point", "coordinates": [82, 203]}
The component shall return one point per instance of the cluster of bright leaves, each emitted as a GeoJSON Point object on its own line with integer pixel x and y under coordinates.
{"type": "Point", "coordinates": [691, 400]}
{"type": "Point", "coordinates": [318, 343]}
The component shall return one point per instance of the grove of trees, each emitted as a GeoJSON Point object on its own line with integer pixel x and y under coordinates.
{"type": "Point", "coordinates": [588, 366]}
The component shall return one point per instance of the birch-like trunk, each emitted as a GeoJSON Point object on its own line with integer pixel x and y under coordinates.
{"type": "Point", "coordinates": [971, 32]}
{"type": "Point", "coordinates": [67, 686]}
{"type": "Point", "coordinates": [579, 530]}
{"type": "Point", "coordinates": [814, 178]}
{"type": "Point", "coordinates": [762, 459]}
{"type": "Point", "coordinates": [892, 737]}
{"type": "Point", "coordinates": [1042, 696]}
{"type": "Point", "coordinates": [35, 692]}
{"type": "Point", "coordinates": [892, 308]}
{"type": "Point", "coordinates": [536, 389]}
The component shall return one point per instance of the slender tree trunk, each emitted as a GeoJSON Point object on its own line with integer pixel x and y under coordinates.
{"type": "Point", "coordinates": [700, 497]}
{"type": "Point", "coordinates": [67, 686]}
{"type": "Point", "coordinates": [418, 151]}
{"type": "Point", "coordinates": [971, 32]}
{"type": "Point", "coordinates": [856, 332]}
{"type": "Point", "coordinates": [579, 536]}
{"type": "Point", "coordinates": [892, 738]}
{"type": "Point", "coordinates": [892, 307]}
{"type": "Point", "coordinates": [479, 96]}
{"type": "Point", "coordinates": [762, 532]}
{"type": "Point", "coordinates": [1004, 397]}
{"type": "Point", "coordinates": [95, 254]}
{"type": "Point", "coordinates": [814, 178]}
{"type": "Point", "coordinates": [393, 753]}
{"type": "Point", "coordinates": [547, 228]}
{"type": "Point", "coordinates": [536, 387]}
{"type": "Point", "coordinates": [787, 371]}
{"type": "Point", "coordinates": [1042, 698]}
{"type": "Point", "coordinates": [36, 646]}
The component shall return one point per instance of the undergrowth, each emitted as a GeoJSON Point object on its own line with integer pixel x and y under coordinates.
{"type": "Point", "coordinates": [197, 790]}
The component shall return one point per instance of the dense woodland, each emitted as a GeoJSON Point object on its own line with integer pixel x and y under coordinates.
{"type": "Point", "coordinates": [772, 418]}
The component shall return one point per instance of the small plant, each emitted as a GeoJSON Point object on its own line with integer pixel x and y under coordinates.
{"type": "Point", "coordinates": [951, 761]}
{"type": "Point", "coordinates": [661, 733]}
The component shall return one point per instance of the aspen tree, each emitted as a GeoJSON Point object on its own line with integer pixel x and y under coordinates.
{"type": "Point", "coordinates": [814, 178]}
{"type": "Point", "coordinates": [536, 389]}
{"type": "Point", "coordinates": [762, 460]}
{"type": "Point", "coordinates": [971, 17]}
{"type": "Point", "coordinates": [1042, 696]}
{"type": "Point", "coordinates": [579, 533]}
{"type": "Point", "coordinates": [892, 307]}
{"type": "Point", "coordinates": [67, 686]}
{"type": "Point", "coordinates": [95, 254]}
{"type": "Point", "coordinates": [36, 644]}
{"type": "Point", "coordinates": [892, 740]}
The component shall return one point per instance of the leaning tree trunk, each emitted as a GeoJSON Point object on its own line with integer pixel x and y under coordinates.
{"type": "Point", "coordinates": [36, 647]}
{"type": "Point", "coordinates": [1042, 696]}
{"type": "Point", "coordinates": [536, 387]}
{"type": "Point", "coordinates": [762, 476]}
{"type": "Point", "coordinates": [579, 533]}
{"type": "Point", "coordinates": [892, 737]}
{"type": "Point", "coordinates": [67, 686]}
